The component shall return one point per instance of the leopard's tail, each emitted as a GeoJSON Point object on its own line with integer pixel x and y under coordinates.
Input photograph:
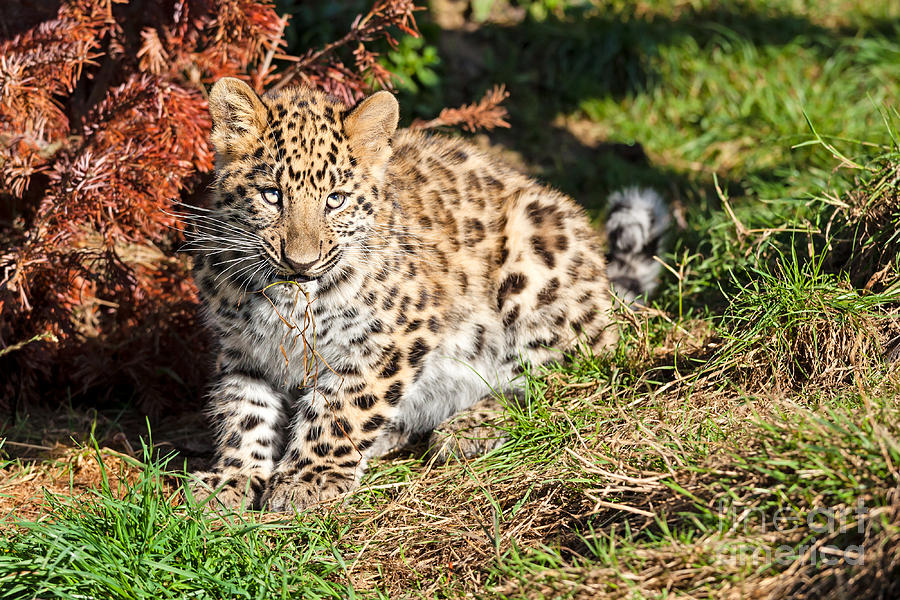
{"type": "Point", "coordinates": [636, 229]}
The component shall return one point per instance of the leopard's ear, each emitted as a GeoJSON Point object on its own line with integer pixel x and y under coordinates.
{"type": "Point", "coordinates": [239, 116]}
{"type": "Point", "coordinates": [371, 124]}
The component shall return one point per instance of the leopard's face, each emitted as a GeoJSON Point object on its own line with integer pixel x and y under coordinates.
{"type": "Point", "coordinates": [299, 175]}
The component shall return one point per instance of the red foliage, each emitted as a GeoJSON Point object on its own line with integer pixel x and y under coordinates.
{"type": "Point", "coordinates": [323, 69]}
{"type": "Point", "coordinates": [484, 114]}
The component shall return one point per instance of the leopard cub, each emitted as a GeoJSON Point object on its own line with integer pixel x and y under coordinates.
{"type": "Point", "coordinates": [368, 284]}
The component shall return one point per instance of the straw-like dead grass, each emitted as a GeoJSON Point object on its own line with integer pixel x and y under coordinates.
{"type": "Point", "coordinates": [460, 527]}
{"type": "Point", "coordinates": [814, 351]}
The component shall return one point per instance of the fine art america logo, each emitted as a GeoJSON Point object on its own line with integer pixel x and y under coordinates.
{"type": "Point", "coordinates": [819, 532]}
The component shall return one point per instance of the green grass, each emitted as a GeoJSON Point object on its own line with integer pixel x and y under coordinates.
{"type": "Point", "coordinates": [757, 385]}
{"type": "Point", "coordinates": [141, 540]}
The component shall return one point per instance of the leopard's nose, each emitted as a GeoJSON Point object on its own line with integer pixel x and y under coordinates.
{"type": "Point", "coordinates": [298, 267]}
{"type": "Point", "coordinates": [297, 257]}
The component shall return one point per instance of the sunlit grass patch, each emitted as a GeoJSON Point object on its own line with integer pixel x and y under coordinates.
{"type": "Point", "coordinates": [134, 535]}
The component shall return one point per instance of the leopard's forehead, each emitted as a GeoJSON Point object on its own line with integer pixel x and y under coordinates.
{"type": "Point", "coordinates": [305, 138]}
{"type": "Point", "coordinates": [304, 113]}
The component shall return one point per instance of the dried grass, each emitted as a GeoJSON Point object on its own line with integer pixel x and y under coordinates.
{"type": "Point", "coordinates": [449, 530]}
{"type": "Point", "coordinates": [819, 352]}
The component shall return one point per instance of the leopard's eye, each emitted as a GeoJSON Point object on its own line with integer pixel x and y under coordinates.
{"type": "Point", "coordinates": [271, 195]}
{"type": "Point", "coordinates": [335, 200]}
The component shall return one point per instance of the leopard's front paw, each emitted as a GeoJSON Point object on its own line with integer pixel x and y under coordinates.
{"type": "Point", "coordinates": [229, 490]}
{"type": "Point", "coordinates": [294, 492]}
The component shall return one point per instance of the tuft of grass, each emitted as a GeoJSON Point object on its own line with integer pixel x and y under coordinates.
{"type": "Point", "coordinates": [134, 536]}
{"type": "Point", "coordinates": [867, 228]}
{"type": "Point", "coordinates": [793, 324]}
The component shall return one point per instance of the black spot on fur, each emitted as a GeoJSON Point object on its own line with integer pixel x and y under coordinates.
{"type": "Point", "coordinates": [547, 295]}
{"type": "Point", "coordinates": [474, 232]}
{"type": "Point", "coordinates": [540, 248]}
{"type": "Point", "coordinates": [458, 156]}
{"type": "Point", "coordinates": [250, 422]}
{"type": "Point", "coordinates": [538, 213]}
{"type": "Point", "coordinates": [513, 284]}
{"type": "Point", "coordinates": [306, 409]}
{"type": "Point", "coordinates": [373, 423]}
{"type": "Point", "coordinates": [394, 393]}
{"type": "Point", "coordinates": [365, 402]}
{"type": "Point", "coordinates": [354, 388]}
{"type": "Point", "coordinates": [504, 252]}
{"type": "Point", "coordinates": [510, 317]}
{"type": "Point", "coordinates": [544, 342]}
{"type": "Point", "coordinates": [579, 323]}
{"type": "Point", "coordinates": [245, 371]}
{"type": "Point", "coordinates": [347, 371]}
{"type": "Point", "coordinates": [314, 433]}
{"type": "Point", "coordinates": [417, 352]}
{"type": "Point", "coordinates": [423, 299]}
{"type": "Point", "coordinates": [391, 365]}
{"type": "Point", "coordinates": [493, 184]}
{"type": "Point", "coordinates": [323, 449]}
{"type": "Point", "coordinates": [463, 283]}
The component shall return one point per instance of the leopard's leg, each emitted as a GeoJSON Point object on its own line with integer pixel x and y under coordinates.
{"type": "Point", "coordinates": [475, 431]}
{"type": "Point", "coordinates": [248, 415]}
{"type": "Point", "coordinates": [331, 439]}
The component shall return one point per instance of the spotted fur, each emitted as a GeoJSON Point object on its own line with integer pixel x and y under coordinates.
{"type": "Point", "coordinates": [426, 273]}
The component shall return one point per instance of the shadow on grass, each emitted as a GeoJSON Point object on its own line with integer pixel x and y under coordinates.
{"type": "Point", "coordinates": [551, 66]}
{"type": "Point", "coordinates": [49, 433]}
